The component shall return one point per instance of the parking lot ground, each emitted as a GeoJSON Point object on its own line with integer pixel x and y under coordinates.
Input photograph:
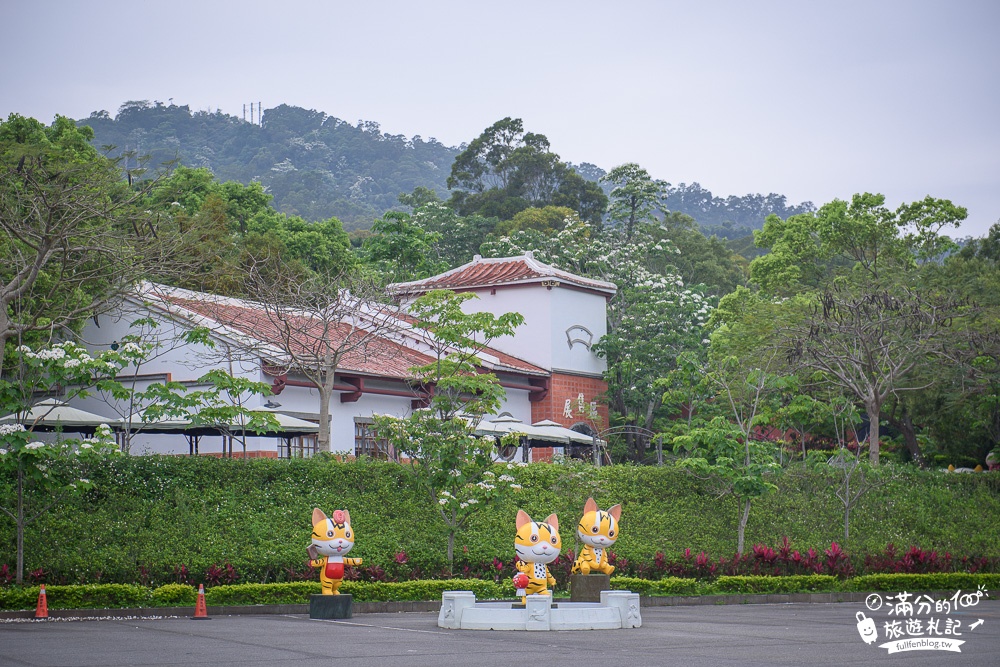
{"type": "Point", "coordinates": [765, 634]}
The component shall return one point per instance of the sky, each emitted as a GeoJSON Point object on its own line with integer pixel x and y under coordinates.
{"type": "Point", "coordinates": [812, 100]}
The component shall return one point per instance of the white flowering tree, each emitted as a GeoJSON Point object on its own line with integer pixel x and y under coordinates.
{"type": "Point", "coordinates": [446, 458]}
{"type": "Point", "coordinates": [41, 474]}
{"type": "Point", "coordinates": [652, 319]}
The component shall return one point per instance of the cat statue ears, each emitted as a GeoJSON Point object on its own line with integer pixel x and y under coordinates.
{"type": "Point", "coordinates": [344, 516]}
{"type": "Point", "coordinates": [591, 506]}
{"type": "Point", "coordinates": [523, 518]}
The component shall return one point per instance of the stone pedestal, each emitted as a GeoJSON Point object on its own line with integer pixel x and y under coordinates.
{"type": "Point", "coordinates": [627, 604]}
{"type": "Point", "coordinates": [588, 587]}
{"type": "Point", "coordinates": [616, 610]}
{"type": "Point", "coordinates": [453, 604]}
{"type": "Point", "coordinates": [331, 606]}
{"type": "Point", "coordinates": [538, 612]}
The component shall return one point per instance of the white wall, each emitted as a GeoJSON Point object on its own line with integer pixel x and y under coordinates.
{"type": "Point", "coordinates": [576, 308]}
{"type": "Point", "coordinates": [548, 313]}
{"type": "Point", "coordinates": [531, 340]}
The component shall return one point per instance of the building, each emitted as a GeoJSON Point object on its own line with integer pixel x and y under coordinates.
{"type": "Point", "coordinates": [548, 368]}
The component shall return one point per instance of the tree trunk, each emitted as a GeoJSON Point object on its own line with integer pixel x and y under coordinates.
{"type": "Point", "coordinates": [873, 409]}
{"type": "Point", "coordinates": [905, 425]}
{"type": "Point", "coordinates": [4, 334]}
{"type": "Point", "coordinates": [451, 551]}
{"type": "Point", "coordinates": [323, 437]}
{"type": "Point", "coordinates": [743, 526]}
{"type": "Point", "coordinates": [20, 526]}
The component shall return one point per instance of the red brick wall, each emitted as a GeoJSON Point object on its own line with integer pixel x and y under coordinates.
{"type": "Point", "coordinates": [570, 387]}
{"type": "Point", "coordinates": [238, 454]}
{"type": "Point", "coordinates": [553, 406]}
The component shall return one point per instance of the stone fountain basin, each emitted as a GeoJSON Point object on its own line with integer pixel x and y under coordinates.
{"type": "Point", "coordinates": [616, 610]}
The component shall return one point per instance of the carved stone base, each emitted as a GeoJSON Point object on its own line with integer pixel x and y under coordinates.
{"type": "Point", "coordinates": [331, 606]}
{"type": "Point", "coordinates": [616, 609]}
{"type": "Point", "coordinates": [588, 587]}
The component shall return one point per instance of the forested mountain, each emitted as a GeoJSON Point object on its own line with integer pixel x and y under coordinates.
{"type": "Point", "coordinates": [314, 165]}
{"type": "Point", "coordinates": [318, 166]}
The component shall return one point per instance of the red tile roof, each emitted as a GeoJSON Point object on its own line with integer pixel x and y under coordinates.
{"type": "Point", "coordinates": [310, 336]}
{"type": "Point", "coordinates": [499, 272]}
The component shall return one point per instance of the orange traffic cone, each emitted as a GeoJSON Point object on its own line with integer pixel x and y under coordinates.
{"type": "Point", "coordinates": [42, 608]}
{"type": "Point", "coordinates": [200, 610]}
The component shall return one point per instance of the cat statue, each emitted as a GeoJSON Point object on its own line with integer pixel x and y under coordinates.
{"type": "Point", "coordinates": [332, 538]}
{"type": "Point", "coordinates": [598, 531]}
{"type": "Point", "coordinates": [536, 545]}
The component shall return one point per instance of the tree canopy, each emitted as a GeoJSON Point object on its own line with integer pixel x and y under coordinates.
{"type": "Point", "coordinates": [506, 170]}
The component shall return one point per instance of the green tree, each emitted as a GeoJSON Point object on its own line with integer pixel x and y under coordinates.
{"type": "Point", "coordinates": [445, 457]}
{"type": "Point", "coordinates": [401, 249]}
{"type": "Point", "coordinates": [547, 220]}
{"type": "Point", "coordinates": [741, 466]}
{"type": "Point", "coordinates": [458, 237]}
{"type": "Point", "coordinates": [635, 197]}
{"type": "Point", "coordinates": [506, 170]}
{"type": "Point", "coordinates": [729, 448]}
{"type": "Point", "coordinates": [225, 406]}
{"type": "Point", "coordinates": [703, 260]}
{"type": "Point", "coordinates": [73, 233]}
{"type": "Point", "coordinates": [869, 326]}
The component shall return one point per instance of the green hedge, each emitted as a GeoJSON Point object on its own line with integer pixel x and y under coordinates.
{"type": "Point", "coordinates": [665, 586]}
{"type": "Point", "coordinates": [812, 583]}
{"type": "Point", "coordinates": [88, 596]}
{"type": "Point", "coordinates": [923, 582]}
{"type": "Point", "coordinates": [246, 594]}
{"type": "Point", "coordinates": [149, 515]}
{"type": "Point", "coordinates": [113, 596]}
{"type": "Point", "coordinates": [170, 595]}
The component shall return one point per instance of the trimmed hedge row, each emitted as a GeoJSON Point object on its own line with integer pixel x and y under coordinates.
{"type": "Point", "coordinates": [116, 596]}
{"type": "Point", "coordinates": [665, 586]}
{"type": "Point", "coordinates": [811, 583]}
{"type": "Point", "coordinates": [156, 520]}
{"type": "Point", "coordinates": [942, 581]}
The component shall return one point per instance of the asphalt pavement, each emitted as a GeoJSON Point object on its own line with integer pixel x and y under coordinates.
{"type": "Point", "coordinates": [746, 635]}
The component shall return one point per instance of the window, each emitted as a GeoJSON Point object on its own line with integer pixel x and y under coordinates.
{"type": "Point", "coordinates": [366, 443]}
{"type": "Point", "coordinates": [300, 447]}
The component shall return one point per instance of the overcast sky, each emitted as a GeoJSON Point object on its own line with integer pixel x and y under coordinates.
{"type": "Point", "coordinates": [813, 100]}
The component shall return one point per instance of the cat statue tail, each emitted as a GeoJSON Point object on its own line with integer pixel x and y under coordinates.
{"type": "Point", "coordinates": [200, 610]}
{"type": "Point", "coordinates": [42, 608]}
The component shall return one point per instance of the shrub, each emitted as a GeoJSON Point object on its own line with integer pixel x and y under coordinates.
{"type": "Point", "coordinates": [250, 594]}
{"type": "Point", "coordinates": [363, 591]}
{"type": "Point", "coordinates": [171, 595]}
{"type": "Point", "coordinates": [941, 581]}
{"type": "Point", "coordinates": [665, 586]}
{"type": "Point", "coordinates": [792, 584]}
{"type": "Point", "coordinates": [87, 596]}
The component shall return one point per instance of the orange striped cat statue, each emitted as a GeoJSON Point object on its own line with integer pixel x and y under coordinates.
{"type": "Point", "coordinates": [537, 545]}
{"type": "Point", "coordinates": [332, 538]}
{"type": "Point", "coordinates": [598, 531]}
